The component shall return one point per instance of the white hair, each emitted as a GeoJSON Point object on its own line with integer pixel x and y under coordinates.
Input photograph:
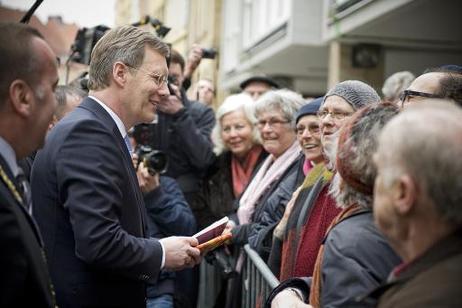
{"type": "Point", "coordinates": [397, 83]}
{"type": "Point", "coordinates": [286, 101]}
{"type": "Point", "coordinates": [233, 103]}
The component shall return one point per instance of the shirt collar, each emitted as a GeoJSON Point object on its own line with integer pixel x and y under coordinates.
{"type": "Point", "coordinates": [9, 155]}
{"type": "Point", "coordinates": [114, 116]}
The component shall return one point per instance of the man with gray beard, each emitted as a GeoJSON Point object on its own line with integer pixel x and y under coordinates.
{"type": "Point", "coordinates": [313, 209]}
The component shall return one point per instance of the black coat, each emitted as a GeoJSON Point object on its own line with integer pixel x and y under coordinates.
{"type": "Point", "coordinates": [267, 218]}
{"type": "Point", "coordinates": [24, 278]}
{"type": "Point", "coordinates": [185, 138]}
{"type": "Point", "coordinates": [90, 209]}
{"type": "Point", "coordinates": [216, 199]}
{"type": "Point", "coordinates": [272, 197]}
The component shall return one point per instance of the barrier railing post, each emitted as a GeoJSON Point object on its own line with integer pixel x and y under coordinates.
{"type": "Point", "coordinates": [258, 280]}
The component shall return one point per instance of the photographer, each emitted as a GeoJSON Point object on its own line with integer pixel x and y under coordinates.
{"type": "Point", "coordinates": [183, 133]}
{"type": "Point", "coordinates": [168, 215]}
{"type": "Point", "coordinates": [196, 54]}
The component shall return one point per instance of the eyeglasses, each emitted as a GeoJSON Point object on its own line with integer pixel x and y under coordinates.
{"type": "Point", "coordinates": [335, 114]}
{"type": "Point", "coordinates": [408, 94]}
{"type": "Point", "coordinates": [272, 123]}
{"type": "Point", "coordinates": [313, 129]}
{"type": "Point", "coordinates": [158, 79]}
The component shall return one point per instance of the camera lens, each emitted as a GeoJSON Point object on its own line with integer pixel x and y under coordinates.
{"type": "Point", "coordinates": [156, 161]}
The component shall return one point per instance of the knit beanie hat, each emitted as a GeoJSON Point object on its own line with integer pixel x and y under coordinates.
{"type": "Point", "coordinates": [355, 92]}
{"type": "Point", "coordinates": [311, 108]}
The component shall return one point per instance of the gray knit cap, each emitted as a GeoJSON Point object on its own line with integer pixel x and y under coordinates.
{"type": "Point", "coordinates": [355, 92]}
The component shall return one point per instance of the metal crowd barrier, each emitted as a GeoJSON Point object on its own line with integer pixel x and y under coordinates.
{"type": "Point", "coordinates": [258, 280]}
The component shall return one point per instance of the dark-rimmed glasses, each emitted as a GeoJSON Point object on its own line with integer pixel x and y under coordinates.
{"type": "Point", "coordinates": [158, 79]}
{"type": "Point", "coordinates": [407, 94]}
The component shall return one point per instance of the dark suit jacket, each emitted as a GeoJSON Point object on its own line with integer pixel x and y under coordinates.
{"type": "Point", "coordinates": [24, 279]}
{"type": "Point", "coordinates": [90, 210]}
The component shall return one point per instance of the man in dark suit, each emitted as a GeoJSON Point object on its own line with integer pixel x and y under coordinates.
{"type": "Point", "coordinates": [27, 80]}
{"type": "Point", "coordinates": [87, 200]}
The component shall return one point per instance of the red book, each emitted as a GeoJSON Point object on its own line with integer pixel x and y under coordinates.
{"type": "Point", "coordinates": [212, 231]}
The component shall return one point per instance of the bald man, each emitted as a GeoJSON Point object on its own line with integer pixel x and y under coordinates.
{"type": "Point", "coordinates": [417, 204]}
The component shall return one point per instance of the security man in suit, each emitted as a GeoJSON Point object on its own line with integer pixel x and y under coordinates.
{"type": "Point", "coordinates": [87, 200]}
{"type": "Point", "coordinates": [28, 78]}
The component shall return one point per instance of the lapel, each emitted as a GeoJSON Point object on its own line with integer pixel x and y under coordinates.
{"type": "Point", "coordinates": [8, 180]}
{"type": "Point", "coordinates": [106, 119]}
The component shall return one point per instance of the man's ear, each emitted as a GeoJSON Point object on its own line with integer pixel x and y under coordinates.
{"type": "Point", "coordinates": [404, 194]}
{"type": "Point", "coordinates": [120, 73]}
{"type": "Point", "coordinates": [21, 97]}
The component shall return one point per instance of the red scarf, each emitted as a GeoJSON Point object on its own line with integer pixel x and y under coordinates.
{"type": "Point", "coordinates": [315, 290]}
{"type": "Point", "coordinates": [321, 215]}
{"type": "Point", "coordinates": [241, 172]}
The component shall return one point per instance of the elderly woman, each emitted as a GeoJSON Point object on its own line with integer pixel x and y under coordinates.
{"type": "Point", "coordinates": [239, 152]}
{"type": "Point", "coordinates": [355, 257]}
{"type": "Point", "coordinates": [275, 112]}
{"type": "Point", "coordinates": [308, 136]}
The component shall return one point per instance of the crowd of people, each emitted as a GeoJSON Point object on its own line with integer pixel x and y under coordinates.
{"type": "Point", "coordinates": [352, 200]}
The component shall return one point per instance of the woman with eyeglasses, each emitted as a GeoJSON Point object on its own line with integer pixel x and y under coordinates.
{"type": "Point", "coordinates": [275, 112]}
{"type": "Point", "coordinates": [308, 136]}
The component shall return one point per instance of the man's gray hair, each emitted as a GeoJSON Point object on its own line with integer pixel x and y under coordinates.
{"type": "Point", "coordinates": [234, 103]}
{"type": "Point", "coordinates": [425, 141]}
{"type": "Point", "coordinates": [61, 93]}
{"type": "Point", "coordinates": [285, 101]}
{"type": "Point", "coordinates": [125, 44]}
{"type": "Point", "coordinates": [356, 172]}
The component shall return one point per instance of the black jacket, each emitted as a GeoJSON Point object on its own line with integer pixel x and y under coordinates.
{"type": "Point", "coordinates": [272, 198]}
{"type": "Point", "coordinates": [216, 199]}
{"type": "Point", "coordinates": [261, 233]}
{"type": "Point", "coordinates": [185, 138]}
{"type": "Point", "coordinates": [24, 278]}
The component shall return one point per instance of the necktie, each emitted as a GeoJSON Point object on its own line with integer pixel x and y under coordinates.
{"type": "Point", "coordinates": [128, 144]}
{"type": "Point", "coordinates": [24, 190]}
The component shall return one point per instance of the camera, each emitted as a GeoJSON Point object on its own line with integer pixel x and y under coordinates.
{"type": "Point", "coordinates": [85, 41]}
{"type": "Point", "coordinates": [86, 38]}
{"type": "Point", "coordinates": [156, 161]}
{"type": "Point", "coordinates": [209, 53]}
